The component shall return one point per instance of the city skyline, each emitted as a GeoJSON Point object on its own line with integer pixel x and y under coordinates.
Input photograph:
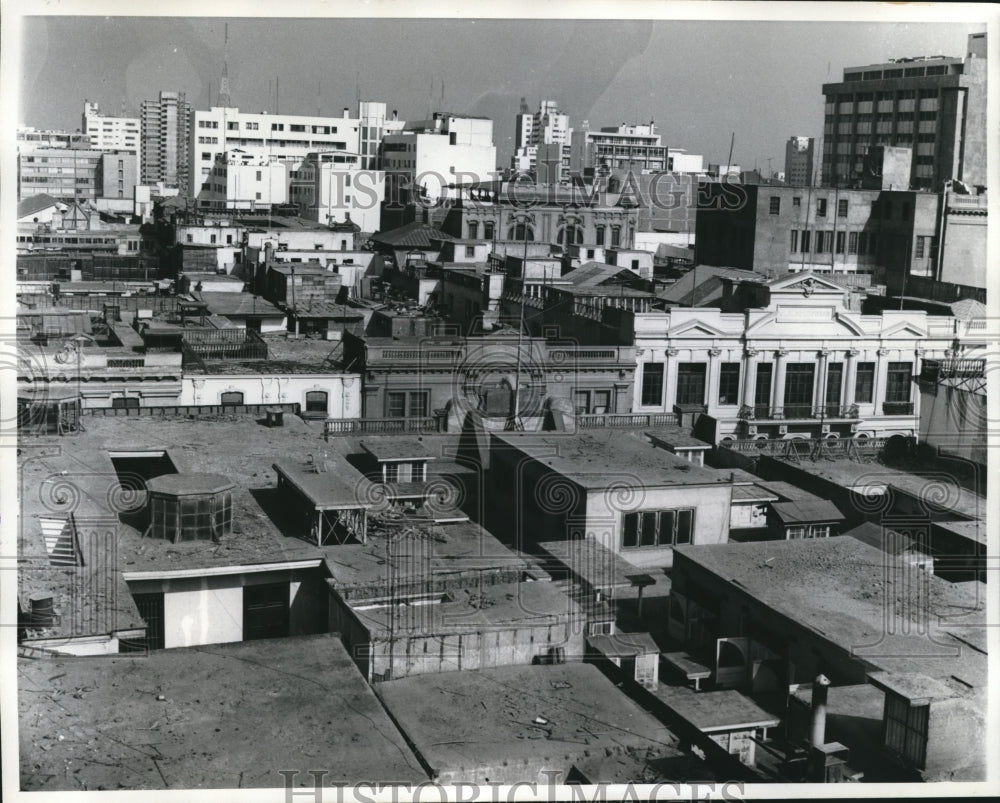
{"type": "Point", "coordinates": [596, 70]}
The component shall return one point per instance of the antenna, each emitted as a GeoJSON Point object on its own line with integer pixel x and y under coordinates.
{"type": "Point", "coordinates": [318, 112]}
{"type": "Point", "coordinates": [224, 98]}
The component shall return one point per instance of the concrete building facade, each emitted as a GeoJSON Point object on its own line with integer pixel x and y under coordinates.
{"type": "Point", "coordinates": [935, 105]}
{"type": "Point", "coordinates": [112, 133]}
{"type": "Point", "coordinates": [430, 156]}
{"type": "Point", "coordinates": [165, 146]}
{"type": "Point", "coordinates": [799, 160]}
{"type": "Point", "coordinates": [800, 365]}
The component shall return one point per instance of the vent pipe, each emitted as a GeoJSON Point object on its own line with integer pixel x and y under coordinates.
{"type": "Point", "coordinates": [820, 689]}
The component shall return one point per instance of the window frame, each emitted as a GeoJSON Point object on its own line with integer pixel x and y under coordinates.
{"type": "Point", "coordinates": [656, 529]}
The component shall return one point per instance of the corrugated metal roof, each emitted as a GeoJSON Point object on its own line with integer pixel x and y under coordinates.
{"type": "Point", "coordinates": [412, 235]}
{"type": "Point", "coordinates": [807, 511]}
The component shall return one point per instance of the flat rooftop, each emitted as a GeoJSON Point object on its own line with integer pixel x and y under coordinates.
{"type": "Point", "coordinates": [711, 711]}
{"type": "Point", "coordinates": [493, 607]}
{"type": "Point", "coordinates": [860, 599]}
{"type": "Point", "coordinates": [337, 486]}
{"type": "Point", "coordinates": [96, 723]}
{"type": "Point", "coordinates": [587, 458]}
{"type": "Point", "coordinates": [469, 720]}
{"type": "Point", "coordinates": [448, 552]}
{"type": "Point", "coordinates": [601, 568]}
{"type": "Point", "coordinates": [863, 477]}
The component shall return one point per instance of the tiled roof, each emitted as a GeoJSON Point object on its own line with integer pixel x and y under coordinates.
{"type": "Point", "coordinates": [412, 235]}
{"type": "Point", "coordinates": [36, 203]}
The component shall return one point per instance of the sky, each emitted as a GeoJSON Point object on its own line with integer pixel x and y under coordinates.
{"type": "Point", "coordinates": [700, 81]}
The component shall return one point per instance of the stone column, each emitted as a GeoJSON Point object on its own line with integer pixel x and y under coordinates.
{"type": "Point", "coordinates": [749, 376]}
{"type": "Point", "coordinates": [778, 391]}
{"type": "Point", "coordinates": [819, 388]}
{"type": "Point", "coordinates": [878, 391]}
{"type": "Point", "coordinates": [850, 377]}
{"type": "Point", "coordinates": [712, 380]}
{"type": "Point", "coordinates": [670, 378]}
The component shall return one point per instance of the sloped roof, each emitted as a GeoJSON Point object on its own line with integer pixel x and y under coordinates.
{"type": "Point", "coordinates": [36, 203]}
{"type": "Point", "coordinates": [411, 235]}
{"type": "Point", "coordinates": [592, 274]}
{"type": "Point", "coordinates": [703, 284]}
{"type": "Point", "coordinates": [967, 309]}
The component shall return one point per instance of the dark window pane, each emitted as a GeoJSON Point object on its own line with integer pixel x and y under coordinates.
{"type": "Point", "coordinates": [652, 383]}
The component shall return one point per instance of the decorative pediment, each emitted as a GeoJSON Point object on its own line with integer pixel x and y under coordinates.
{"type": "Point", "coordinates": [904, 329]}
{"type": "Point", "coordinates": [806, 283]}
{"type": "Point", "coordinates": [696, 329]}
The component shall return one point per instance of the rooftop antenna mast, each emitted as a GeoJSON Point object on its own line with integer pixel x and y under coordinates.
{"type": "Point", "coordinates": [224, 98]}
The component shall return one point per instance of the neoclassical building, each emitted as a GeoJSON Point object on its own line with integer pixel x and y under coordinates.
{"type": "Point", "coordinates": [801, 365]}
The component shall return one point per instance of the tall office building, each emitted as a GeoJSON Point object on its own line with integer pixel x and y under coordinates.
{"type": "Point", "coordinates": [935, 105]}
{"type": "Point", "coordinates": [166, 135]}
{"type": "Point", "coordinates": [799, 154]}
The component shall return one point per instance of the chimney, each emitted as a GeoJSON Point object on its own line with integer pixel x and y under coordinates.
{"type": "Point", "coordinates": [347, 113]}
{"type": "Point", "coordinates": [395, 114]}
{"type": "Point", "coordinates": [820, 689]}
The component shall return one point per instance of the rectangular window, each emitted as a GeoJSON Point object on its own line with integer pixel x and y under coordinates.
{"type": "Point", "coordinates": [488, 230]}
{"type": "Point", "coordinates": [852, 242]}
{"type": "Point", "coordinates": [762, 389]}
{"type": "Point", "coordinates": [691, 383]}
{"type": "Point", "coordinates": [799, 381]}
{"type": "Point", "coordinates": [864, 385]}
{"type": "Point", "coordinates": [840, 242]}
{"type": "Point", "coordinates": [775, 208]}
{"type": "Point", "coordinates": [470, 251]}
{"type": "Point", "coordinates": [616, 236]}
{"type": "Point", "coordinates": [897, 382]}
{"type": "Point", "coordinates": [834, 385]}
{"type": "Point", "coordinates": [796, 201]}
{"type": "Point", "coordinates": [657, 528]}
{"type": "Point", "coordinates": [794, 246]}
{"type": "Point", "coordinates": [806, 239]}
{"type": "Point", "coordinates": [599, 237]}
{"type": "Point", "coordinates": [473, 229]}
{"type": "Point", "coordinates": [906, 728]}
{"type": "Point", "coordinates": [395, 406]}
{"type": "Point", "coordinates": [842, 207]}
{"type": "Point", "coordinates": [652, 383]}
{"type": "Point", "coordinates": [821, 207]}
{"type": "Point", "coordinates": [919, 252]}
{"type": "Point", "coordinates": [729, 383]}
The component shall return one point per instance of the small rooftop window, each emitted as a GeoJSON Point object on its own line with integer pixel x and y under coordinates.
{"type": "Point", "coordinates": [190, 507]}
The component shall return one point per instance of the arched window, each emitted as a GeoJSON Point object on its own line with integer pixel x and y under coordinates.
{"type": "Point", "coordinates": [233, 398]}
{"type": "Point", "coordinates": [316, 403]}
{"type": "Point", "coordinates": [570, 235]}
{"type": "Point", "coordinates": [521, 232]}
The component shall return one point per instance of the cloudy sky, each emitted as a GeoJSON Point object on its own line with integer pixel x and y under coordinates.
{"type": "Point", "coordinates": [699, 81]}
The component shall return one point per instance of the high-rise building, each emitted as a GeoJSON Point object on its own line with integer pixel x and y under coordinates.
{"type": "Point", "coordinates": [935, 105]}
{"type": "Point", "coordinates": [548, 126]}
{"type": "Point", "coordinates": [799, 154]}
{"type": "Point", "coordinates": [166, 134]}
{"type": "Point", "coordinates": [111, 133]}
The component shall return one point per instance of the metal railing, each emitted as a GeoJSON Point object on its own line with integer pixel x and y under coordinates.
{"type": "Point", "coordinates": [791, 412]}
{"type": "Point", "coordinates": [379, 426]}
{"type": "Point", "coordinates": [897, 408]}
{"type": "Point", "coordinates": [191, 410]}
{"type": "Point", "coordinates": [858, 449]}
{"type": "Point", "coordinates": [625, 420]}
{"type": "Point", "coordinates": [962, 368]}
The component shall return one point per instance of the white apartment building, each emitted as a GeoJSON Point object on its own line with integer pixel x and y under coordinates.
{"type": "Point", "coordinates": [111, 133]}
{"type": "Point", "coordinates": [546, 127]}
{"type": "Point", "coordinates": [244, 181]}
{"type": "Point", "coordinates": [433, 155]}
{"type": "Point", "coordinates": [803, 365]}
{"type": "Point", "coordinates": [375, 124]}
{"type": "Point", "coordinates": [287, 136]}
{"type": "Point", "coordinates": [335, 187]}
